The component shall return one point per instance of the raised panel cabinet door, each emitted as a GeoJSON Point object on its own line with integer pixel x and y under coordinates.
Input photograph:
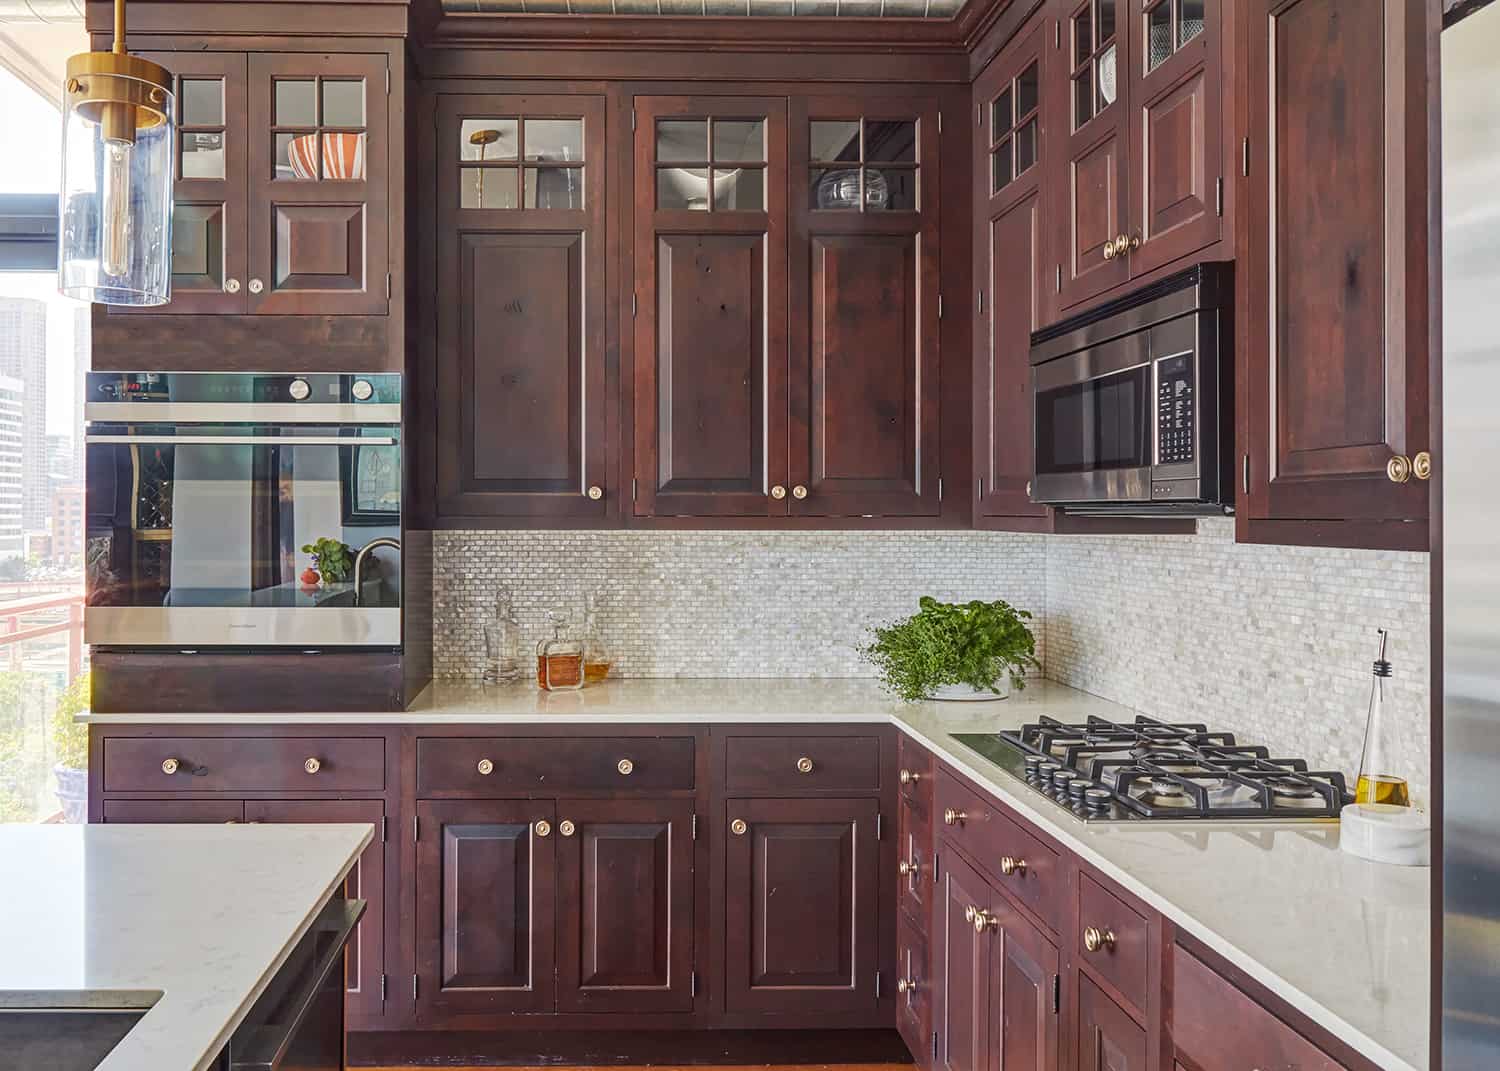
{"type": "Point", "coordinates": [915, 887]}
{"type": "Point", "coordinates": [962, 969]}
{"type": "Point", "coordinates": [1014, 262]}
{"type": "Point", "coordinates": [1108, 1039]}
{"type": "Point", "coordinates": [364, 955]}
{"type": "Point", "coordinates": [210, 221]}
{"type": "Point", "coordinates": [625, 905]}
{"type": "Point", "coordinates": [864, 385]}
{"type": "Point", "coordinates": [1091, 180]}
{"type": "Point", "coordinates": [802, 905]}
{"type": "Point", "coordinates": [521, 413]}
{"type": "Point", "coordinates": [319, 184]}
{"type": "Point", "coordinates": [914, 992]}
{"type": "Point", "coordinates": [486, 873]}
{"type": "Point", "coordinates": [1177, 131]}
{"type": "Point", "coordinates": [710, 293]}
{"type": "Point", "coordinates": [1333, 293]}
{"type": "Point", "coordinates": [1023, 987]}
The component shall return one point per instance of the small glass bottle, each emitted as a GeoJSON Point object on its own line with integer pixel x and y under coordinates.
{"type": "Point", "coordinates": [597, 657]}
{"type": "Point", "coordinates": [559, 659]}
{"type": "Point", "coordinates": [502, 643]}
{"type": "Point", "coordinates": [1378, 780]}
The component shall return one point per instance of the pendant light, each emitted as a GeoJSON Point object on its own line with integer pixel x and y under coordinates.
{"type": "Point", "coordinates": [119, 149]}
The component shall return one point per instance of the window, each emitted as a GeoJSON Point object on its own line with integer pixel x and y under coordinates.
{"type": "Point", "coordinates": [1013, 129]}
{"type": "Point", "coordinates": [521, 162]}
{"type": "Point", "coordinates": [1170, 25]}
{"type": "Point", "coordinates": [863, 165]}
{"type": "Point", "coordinates": [713, 164]}
{"type": "Point", "coordinates": [1094, 56]}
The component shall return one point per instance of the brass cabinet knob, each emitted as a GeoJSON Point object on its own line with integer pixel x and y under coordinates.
{"type": "Point", "coordinates": [626, 767]}
{"type": "Point", "coordinates": [804, 765]}
{"type": "Point", "coordinates": [778, 492]}
{"type": "Point", "coordinates": [231, 286]}
{"type": "Point", "coordinates": [906, 985]}
{"type": "Point", "coordinates": [905, 868]}
{"type": "Point", "coordinates": [1009, 864]}
{"type": "Point", "coordinates": [312, 765]}
{"type": "Point", "coordinates": [169, 766]}
{"type": "Point", "coordinates": [1109, 249]}
{"type": "Point", "coordinates": [256, 286]}
{"type": "Point", "coordinates": [1421, 465]}
{"type": "Point", "coordinates": [738, 827]}
{"type": "Point", "coordinates": [485, 767]}
{"type": "Point", "coordinates": [970, 912]}
{"type": "Point", "coordinates": [908, 777]}
{"type": "Point", "coordinates": [1028, 488]}
{"type": "Point", "coordinates": [566, 828]}
{"type": "Point", "coordinates": [1135, 241]}
{"type": "Point", "coordinates": [983, 920]}
{"type": "Point", "coordinates": [596, 492]}
{"type": "Point", "coordinates": [1094, 938]}
{"type": "Point", "coordinates": [799, 492]}
{"type": "Point", "coordinates": [542, 827]}
{"type": "Point", "coordinates": [952, 817]}
{"type": "Point", "coordinates": [1398, 468]}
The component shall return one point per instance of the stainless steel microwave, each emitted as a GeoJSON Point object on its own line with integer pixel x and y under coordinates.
{"type": "Point", "coordinates": [1133, 402]}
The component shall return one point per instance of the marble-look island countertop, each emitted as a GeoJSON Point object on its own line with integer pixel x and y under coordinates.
{"type": "Point", "coordinates": [190, 922]}
{"type": "Point", "coordinates": [1345, 941]}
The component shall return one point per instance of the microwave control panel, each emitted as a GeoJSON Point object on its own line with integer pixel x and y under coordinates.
{"type": "Point", "coordinates": [1174, 409]}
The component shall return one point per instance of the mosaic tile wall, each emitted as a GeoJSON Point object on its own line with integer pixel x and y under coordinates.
{"type": "Point", "coordinates": [1275, 642]}
{"type": "Point", "coordinates": [721, 604]}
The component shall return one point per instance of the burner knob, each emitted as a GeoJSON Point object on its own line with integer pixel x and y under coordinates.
{"type": "Point", "coordinates": [299, 389]}
{"type": "Point", "coordinates": [1094, 939]}
{"type": "Point", "coordinates": [1009, 865]}
{"type": "Point", "coordinates": [952, 817]}
{"type": "Point", "coordinates": [362, 390]}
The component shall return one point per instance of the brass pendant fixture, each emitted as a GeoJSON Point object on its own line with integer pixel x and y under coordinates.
{"type": "Point", "coordinates": [119, 159]}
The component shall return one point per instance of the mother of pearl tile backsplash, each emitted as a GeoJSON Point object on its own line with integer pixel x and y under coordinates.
{"type": "Point", "coordinates": [721, 604]}
{"type": "Point", "coordinates": [1274, 643]}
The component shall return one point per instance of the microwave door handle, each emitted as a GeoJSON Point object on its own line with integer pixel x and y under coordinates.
{"type": "Point", "coordinates": [240, 440]}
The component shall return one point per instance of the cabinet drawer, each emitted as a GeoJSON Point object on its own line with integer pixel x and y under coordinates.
{"type": "Point", "coordinates": [914, 772]}
{"type": "Point", "coordinates": [1020, 863]}
{"type": "Point", "coordinates": [498, 766]}
{"type": "Point", "coordinates": [1214, 1024]}
{"type": "Point", "coordinates": [915, 887]}
{"type": "Point", "coordinates": [914, 993]}
{"type": "Point", "coordinates": [811, 764]}
{"type": "Point", "coordinates": [244, 764]}
{"type": "Point", "coordinates": [1119, 936]}
{"type": "Point", "coordinates": [174, 811]}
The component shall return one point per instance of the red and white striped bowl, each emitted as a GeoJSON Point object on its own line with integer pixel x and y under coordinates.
{"type": "Point", "coordinates": [343, 156]}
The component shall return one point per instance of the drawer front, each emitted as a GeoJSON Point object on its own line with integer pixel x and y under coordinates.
{"type": "Point", "coordinates": [1214, 1024]}
{"type": "Point", "coordinates": [244, 764]}
{"type": "Point", "coordinates": [914, 991]}
{"type": "Point", "coordinates": [501, 766]}
{"type": "Point", "coordinates": [1018, 861]}
{"type": "Point", "coordinates": [914, 874]}
{"type": "Point", "coordinates": [915, 768]}
{"type": "Point", "coordinates": [1118, 936]}
{"type": "Point", "coordinates": [802, 764]}
{"type": "Point", "coordinates": [174, 811]}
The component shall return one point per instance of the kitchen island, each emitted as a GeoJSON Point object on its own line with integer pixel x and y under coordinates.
{"type": "Point", "coordinates": [188, 925]}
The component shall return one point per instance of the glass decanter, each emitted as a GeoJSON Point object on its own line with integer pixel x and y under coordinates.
{"type": "Point", "coordinates": [502, 643]}
{"type": "Point", "coordinates": [559, 658]}
{"type": "Point", "coordinates": [597, 657]}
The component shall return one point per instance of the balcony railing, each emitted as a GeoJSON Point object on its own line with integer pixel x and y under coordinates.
{"type": "Point", "coordinates": [58, 612]}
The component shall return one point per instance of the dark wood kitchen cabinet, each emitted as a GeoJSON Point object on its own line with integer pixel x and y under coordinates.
{"type": "Point", "coordinates": [1334, 316]}
{"type": "Point", "coordinates": [521, 413]}
{"type": "Point", "coordinates": [1108, 1038]}
{"type": "Point", "coordinates": [802, 905]}
{"type": "Point", "coordinates": [286, 227]}
{"type": "Point", "coordinates": [486, 874]}
{"type": "Point", "coordinates": [1140, 127]}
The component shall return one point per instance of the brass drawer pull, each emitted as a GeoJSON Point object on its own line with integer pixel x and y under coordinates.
{"type": "Point", "coordinates": [804, 765]}
{"type": "Point", "coordinates": [1421, 465]}
{"type": "Point", "coordinates": [778, 492]}
{"type": "Point", "coordinates": [312, 765]}
{"type": "Point", "coordinates": [1094, 939]}
{"type": "Point", "coordinates": [906, 985]}
{"type": "Point", "coordinates": [908, 777]}
{"type": "Point", "coordinates": [799, 492]}
{"type": "Point", "coordinates": [542, 827]}
{"type": "Point", "coordinates": [953, 817]}
{"type": "Point", "coordinates": [596, 492]}
{"type": "Point", "coordinates": [738, 827]}
{"type": "Point", "coordinates": [485, 767]}
{"type": "Point", "coordinates": [1398, 469]}
{"type": "Point", "coordinates": [626, 767]}
{"type": "Point", "coordinates": [905, 868]}
{"type": "Point", "coordinates": [1009, 864]}
{"type": "Point", "coordinates": [983, 920]}
{"type": "Point", "coordinates": [169, 766]}
{"type": "Point", "coordinates": [566, 828]}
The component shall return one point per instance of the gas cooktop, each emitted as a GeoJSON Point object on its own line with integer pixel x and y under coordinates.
{"type": "Point", "coordinates": [1103, 770]}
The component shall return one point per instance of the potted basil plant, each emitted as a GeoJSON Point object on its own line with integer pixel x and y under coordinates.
{"type": "Point", "coordinates": [973, 650]}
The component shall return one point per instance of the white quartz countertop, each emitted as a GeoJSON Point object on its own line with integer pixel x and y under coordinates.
{"type": "Point", "coordinates": [1345, 941]}
{"type": "Point", "coordinates": [191, 922]}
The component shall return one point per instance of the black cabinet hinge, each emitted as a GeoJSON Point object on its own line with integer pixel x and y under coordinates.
{"type": "Point", "coordinates": [382, 989]}
{"type": "Point", "coordinates": [382, 836]}
{"type": "Point", "coordinates": [1059, 278]}
{"type": "Point", "coordinates": [1245, 474]}
{"type": "Point", "coordinates": [1219, 194]}
{"type": "Point", "coordinates": [940, 122]}
{"type": "Point", "coordinates": [934, 1045]}
{"type": "Point", "coordinates": [1245, 158]}
{"type": "Point", "coordinates": [413, 987]}
{"type": "Point", "coordinates": [415, 829]}
{"type": "Point", "coordinates": [879, 827]}
{"type": "Point", "coordinates": [387, 80]}
{"type": "Point", "coordinates": [877, 985]}
{"type": "Point", "coordinates": [940, 306]}
{"type": "Point", "coordinates": [632, 118]}
{"type": "Point", "coordinates": [388, 286]}
{"type": "Point", "coordinates": [634, 306]}
{"type": "Point", "coordinates": [695, 827]}
{"type": "Point", "coordinates": [1057, 35]}
{"type": "Point", "coordinates": [1056, 993]}
{"type": "Point", "coordinates": [940, 488]}
{"type": "Point", "coordinates": [979, 115]}
{"type": "Point", "coordinates": [693, 984]}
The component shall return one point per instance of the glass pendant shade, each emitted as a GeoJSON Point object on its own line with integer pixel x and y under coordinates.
{"type": "Point", "coordinates": [115, 212]}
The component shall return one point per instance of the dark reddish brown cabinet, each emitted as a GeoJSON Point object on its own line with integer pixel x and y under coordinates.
{"type": "Point", "coordinates": [1108, 1038]}
{"type": "Point", "coordinates": [1334, 296]}
{"type": "Point", "coordinates": [521, 409]}
{"type": "Point", "coordinates": [486, 873]}
{"type": "Point", "coordinates": [802, 905]}
{"type": "Point", "coordinates": [625, 906]}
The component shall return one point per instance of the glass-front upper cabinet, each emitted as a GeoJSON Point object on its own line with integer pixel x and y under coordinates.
{"type": "Point", "coordinates": [863, 164]}
{"type": "Point", "coordinates": [711, 164]}
{"type": "Point", "coordinates": [521, 161]}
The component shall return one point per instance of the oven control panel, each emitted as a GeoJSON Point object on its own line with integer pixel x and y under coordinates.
{"type": "Point", "coordinates": [1174, 409]}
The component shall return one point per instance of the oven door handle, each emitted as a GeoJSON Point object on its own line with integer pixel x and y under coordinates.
{"type": "Point", "coordinates": [240, 440]}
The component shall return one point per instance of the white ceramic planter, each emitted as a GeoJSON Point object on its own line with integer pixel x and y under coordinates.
{"type": "Point", "coordinates": [963, 693]}
{"type": "Point", "coordinates": [73, 793]}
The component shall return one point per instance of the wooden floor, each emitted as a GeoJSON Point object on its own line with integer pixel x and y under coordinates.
{"type": "Point", "coordinates": [687, 1067]}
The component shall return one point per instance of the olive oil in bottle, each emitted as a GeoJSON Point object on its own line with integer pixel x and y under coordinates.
{"type": "Point", "coordinates": [1379, 781]}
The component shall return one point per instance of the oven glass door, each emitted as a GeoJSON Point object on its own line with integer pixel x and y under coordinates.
{"type": "Point", "coordinates": [184, 520]}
